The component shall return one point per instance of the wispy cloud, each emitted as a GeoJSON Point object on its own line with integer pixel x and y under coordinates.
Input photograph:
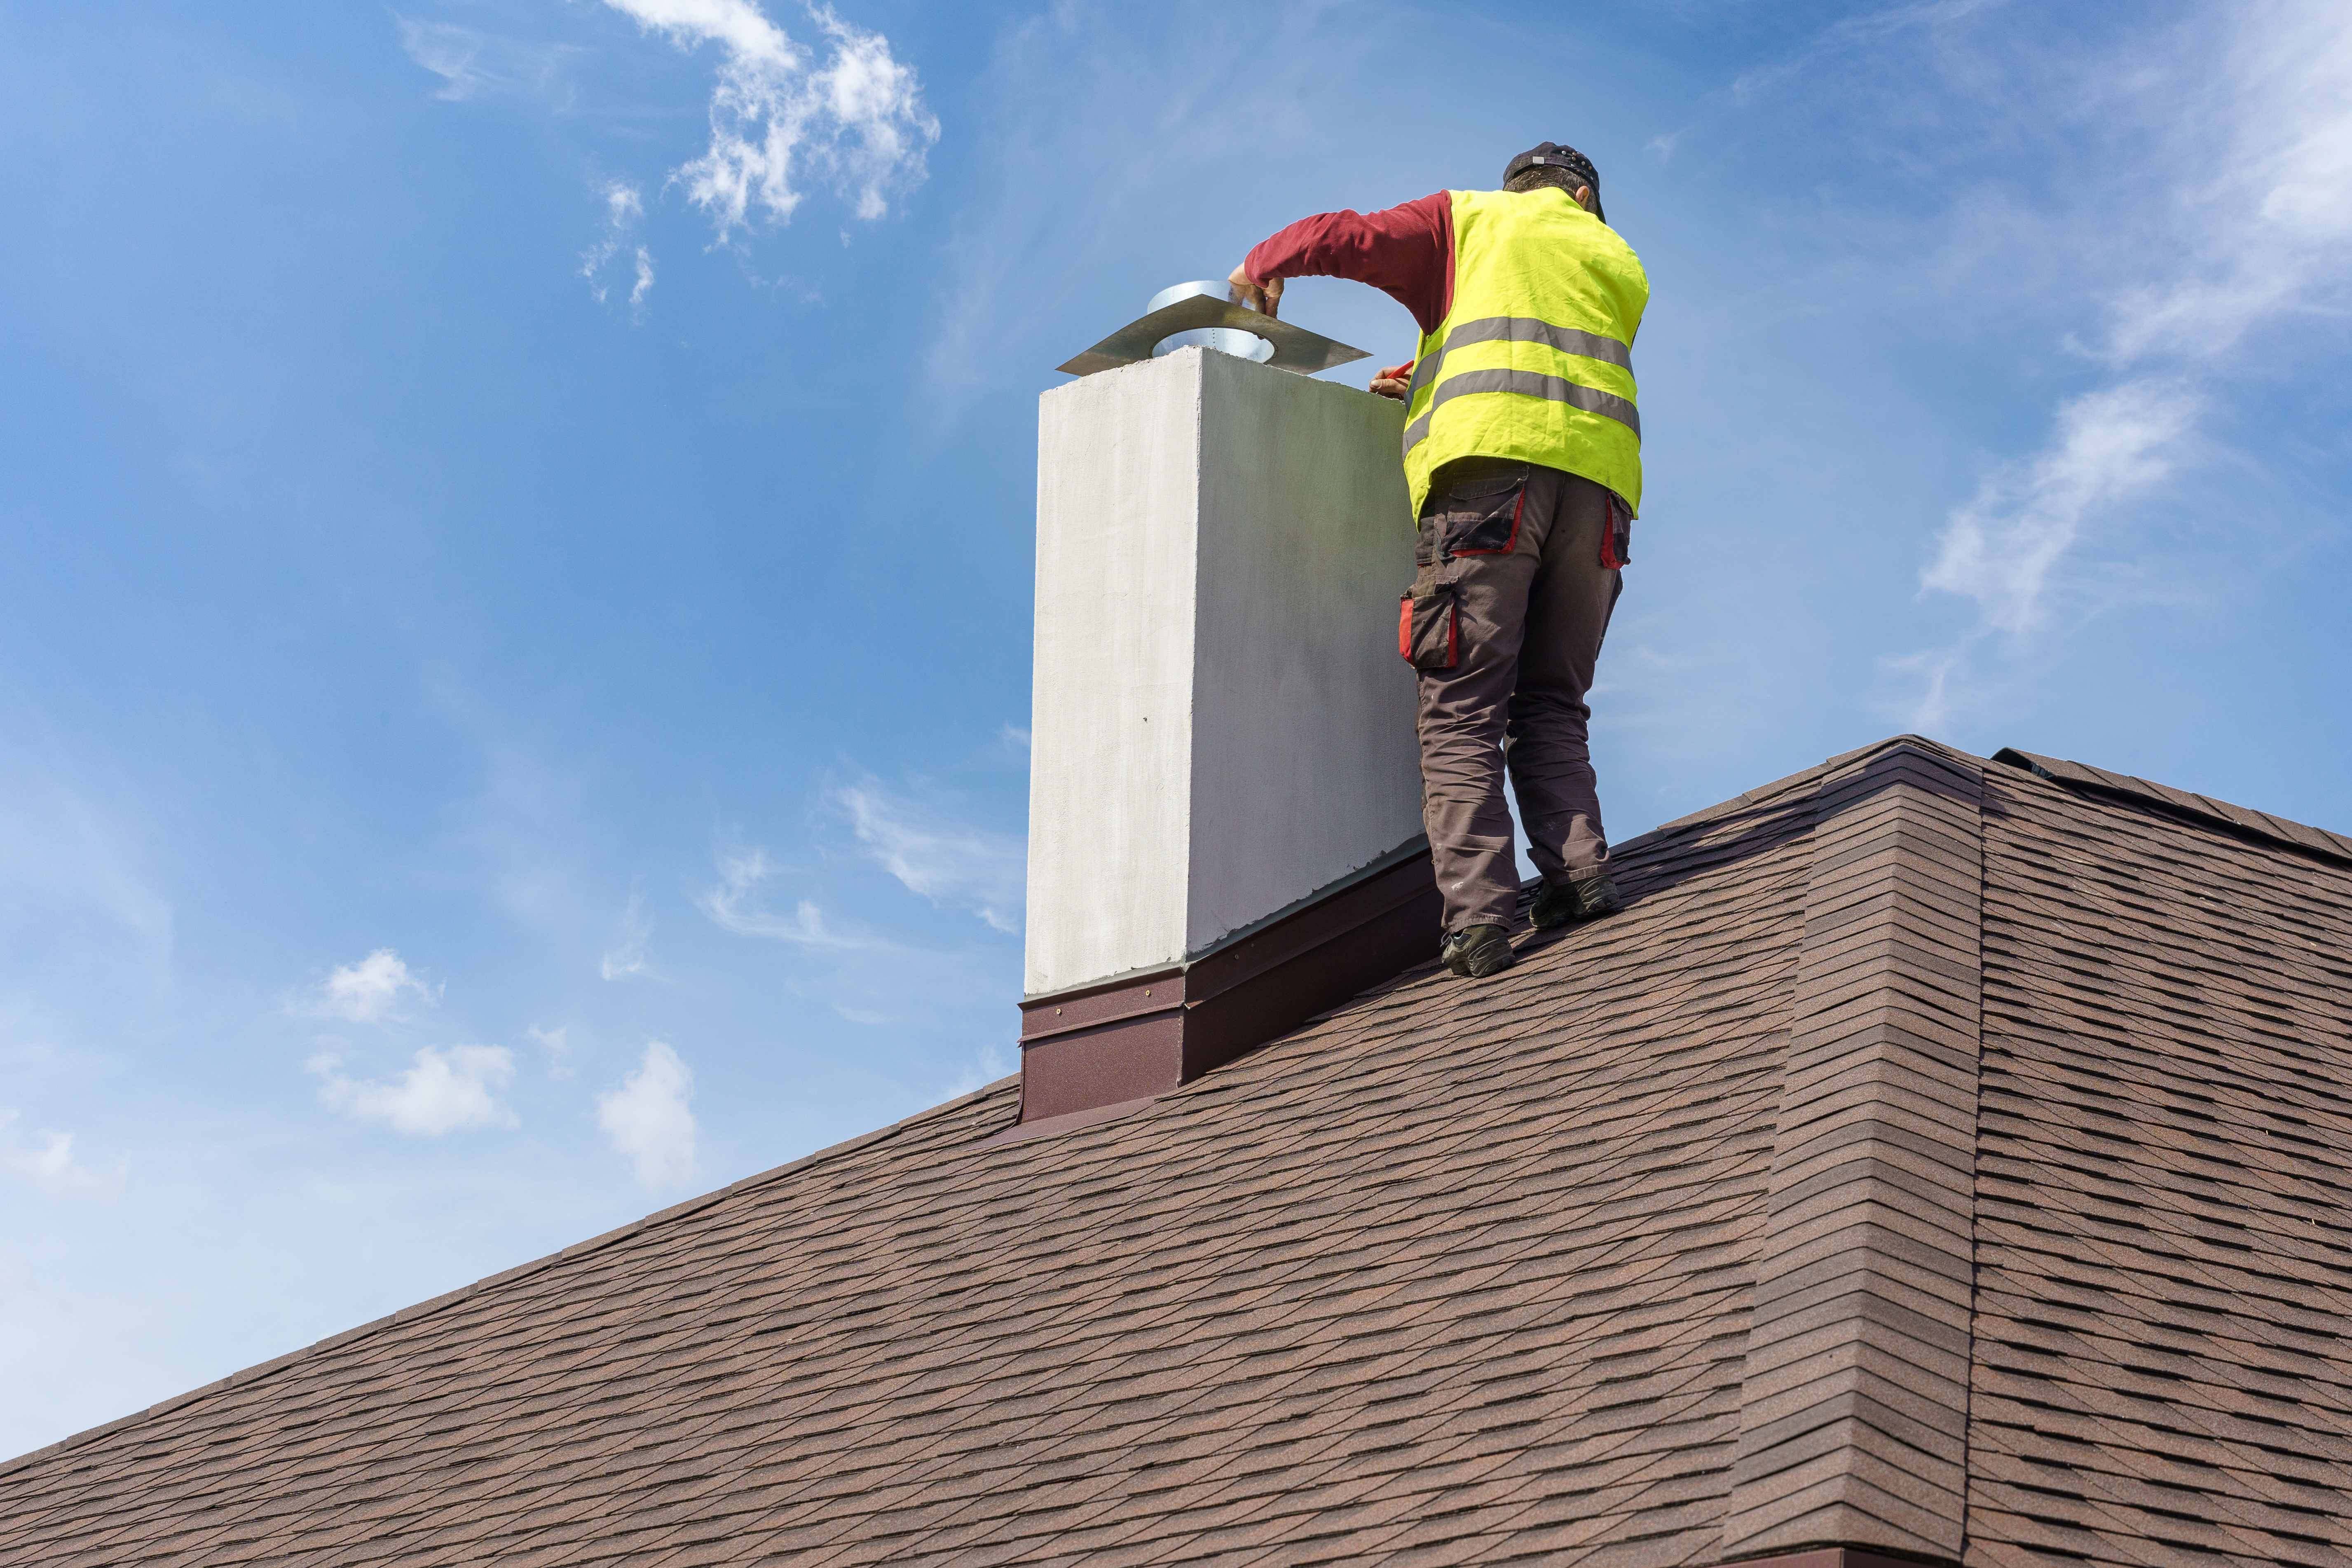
{"type": "Point", "coordinates": [443, 1092]}
{"type": "Point", "coordinates": [1851, 33]}
{"type": "Point", "coordinates": [2110, 446]}
{"type": "Point", "coordinates": [2258, 236]}
{"type": "Point", "coordinates": [2266, 224]}
{"type": "Point", "coordinates": [626, 957]}
{"type": "Point", "coordinates": [951, 863]}
{"type": "Point", "coordinates": [623, 206]}
{"type": "Point", "coordinates": [735, 904]}
{"type": "Point", "coordinates": [856, 123]}
{"type": "Point", "coordinates": [557, 1044]}
{"type": "Point", "coordinates": [474, 64]}
{"type": "Point", "coordinates": [367, 992]}
{"type": "Point", "coordinates": [988, 1065]}
{"type": "Point", "coordinates": [46, 1162]}
{"type": "Point", "coordinates": [648, 1119]}
{"type": "Point", "coordinates": [60, 843]}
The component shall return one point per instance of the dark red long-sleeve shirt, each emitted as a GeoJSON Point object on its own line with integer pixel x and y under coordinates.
{"type": "Point", "coordinates": [1404, 252]}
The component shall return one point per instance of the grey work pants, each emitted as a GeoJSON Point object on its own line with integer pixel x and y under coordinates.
{"type": "Point", "coordinates": [1519, 570]}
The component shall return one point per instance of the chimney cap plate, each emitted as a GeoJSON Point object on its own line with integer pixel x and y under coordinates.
{"type": "Point", "coordinates": [1296, 349]}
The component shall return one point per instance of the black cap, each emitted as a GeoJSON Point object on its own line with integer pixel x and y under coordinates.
{"type": "Point", "coordinates": [1552, 154]}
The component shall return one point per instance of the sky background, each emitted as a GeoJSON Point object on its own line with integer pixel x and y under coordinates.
{"type": "Point", "coordinates": [514, 620]}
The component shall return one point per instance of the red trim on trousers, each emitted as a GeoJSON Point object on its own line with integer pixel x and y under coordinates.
{"type": "Point", "coordinates": [1508, 544]}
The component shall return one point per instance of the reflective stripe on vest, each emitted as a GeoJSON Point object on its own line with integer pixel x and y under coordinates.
{"type": "Point", "coordinates": [1533, 359]}
{"type": "Point", "coordinates": [1522, 330]}
{"type": "Point", "coordinates": [1526, 383]}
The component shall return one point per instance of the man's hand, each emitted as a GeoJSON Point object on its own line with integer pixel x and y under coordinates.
{"type": "Point", "coordinates": [1265, 298]}
{"type": "Point", "coordinates": [1395, 382]}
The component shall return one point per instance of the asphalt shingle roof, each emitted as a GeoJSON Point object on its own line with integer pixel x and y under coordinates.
{"type": "Point", "coordinates": [1934, 1156]}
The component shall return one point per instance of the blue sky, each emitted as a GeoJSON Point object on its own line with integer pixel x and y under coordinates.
{"type": "Point", "coordinates": [514, 640]}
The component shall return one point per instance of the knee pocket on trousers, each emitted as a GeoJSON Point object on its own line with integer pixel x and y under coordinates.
{"type": "Point", "coordinates": [1429, 627]}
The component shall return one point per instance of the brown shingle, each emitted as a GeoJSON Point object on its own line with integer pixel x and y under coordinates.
{"type": "Point", "coordinates": [1932, 1155]}
{"type": "Point", "coordinates": [2137, 1260]}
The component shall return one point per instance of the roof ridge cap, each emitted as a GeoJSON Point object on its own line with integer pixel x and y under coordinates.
{"type": "Point", "coordinates": [1763, 792]}
{"type": "Point", "coordinates": [425, 1308]}
{"type": "Point", "coordinates": [2241, 820]}
{"type": "Point", "coordinates": [1877, 1116]}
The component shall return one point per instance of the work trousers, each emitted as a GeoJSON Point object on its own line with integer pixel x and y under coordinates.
{"type": "Point", "coordinates": [1519, 570]}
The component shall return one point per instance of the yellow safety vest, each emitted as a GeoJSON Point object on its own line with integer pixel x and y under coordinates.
{"type": "Point", "coordinates": [1534, 360]}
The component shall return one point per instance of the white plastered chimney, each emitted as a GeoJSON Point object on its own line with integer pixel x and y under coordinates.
{"type": "Point", "coordinates": [1223, 731]}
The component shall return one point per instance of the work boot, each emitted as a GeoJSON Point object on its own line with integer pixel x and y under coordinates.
{"type": "Point", "coordinates": [1560, 902]}
{"type": "Point", "coordinates": [1476, 952]}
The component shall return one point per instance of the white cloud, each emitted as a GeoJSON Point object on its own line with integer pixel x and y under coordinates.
{"type": "Point", "coordinates": [2253, 215]}
{"type": "Point", "coordinates": [918, 840]}
{"type": "Point", "coordinates": [2266, 220]}
{"type": "Point", "coordinates": [624, 205]}
{"type": "Point", "coordinates": [626, 956]}
{"type": "Point", "coordinates": [557, 1044]}
{"type": "Point", "coordinates": [988, 1065]}
{"type": "Point", "coordinates": [648, 1121]}
{"type": "Point", "coordinates": [937, 857]}
{"type": "Point", "coordinates": [62, 845]}
{"type": "Point", "coordinates": [856, 123]}
{"type": "Point", "coordinates": [474, 64]}
{"type": "Point", "coordinates": [48, 1164]}
{"type": "Point", "coordinates": [735, 904]}
{"type": "Point", "coordinates": [443, 1092]}
{"type": "Point", "coordinates": [2001, 548]}
{"type": "Point", "coordinates": [369, 991]}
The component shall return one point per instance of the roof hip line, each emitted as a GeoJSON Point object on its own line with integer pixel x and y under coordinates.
{"type": "Point", "coordinates": [2179, 802]}
{"type": "Point", "coordinates": [1853, 1407]}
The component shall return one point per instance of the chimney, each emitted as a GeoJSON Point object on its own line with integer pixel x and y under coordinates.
{"type": "Point", "coordinates": [1224, 800]}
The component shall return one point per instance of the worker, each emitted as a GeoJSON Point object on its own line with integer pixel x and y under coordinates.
{"type": "Point", "coordinates": [1523, 454]}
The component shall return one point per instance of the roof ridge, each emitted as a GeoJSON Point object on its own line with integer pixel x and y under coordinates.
{"type": "Point", "coordinates": [1659, 838]}
{"type": "Point", "coordinates": [260, 1370]}
{"type": "Point", "coordinates": [2182, 803]}
{"type": "Point", "coordinates": [1766, 792]}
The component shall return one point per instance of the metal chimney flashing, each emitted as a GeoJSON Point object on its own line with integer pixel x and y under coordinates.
{"type": "Point", "coordinates": [1140, 1035]}
{"type": "Point", "coordinates": [1203, 309]}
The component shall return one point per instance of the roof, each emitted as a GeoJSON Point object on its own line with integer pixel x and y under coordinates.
{"type": "Point", "coordinates": [1938, 1156]}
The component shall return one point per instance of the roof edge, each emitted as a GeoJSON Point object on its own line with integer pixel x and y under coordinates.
{"type": "Point", "coordinates": [1766, 792]}
{"type": "Point", "coordinates": [2237, 819]}
{"type": "Point", "coordinates": [260, 1370]}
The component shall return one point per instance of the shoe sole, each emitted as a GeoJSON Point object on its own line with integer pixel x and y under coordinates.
{"type": "Point", "coordinates": [1577, 916]}
{"type": "Point", "coordinates": [1486, 960]}
{"type": "Point", "coordinates": [1494, 965]}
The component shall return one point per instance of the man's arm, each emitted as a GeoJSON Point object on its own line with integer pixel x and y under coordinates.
{"type": "Point", "coordinates": [1405, 252]}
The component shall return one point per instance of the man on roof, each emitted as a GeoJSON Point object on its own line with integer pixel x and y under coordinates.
{"type": "Point", "coordinates": [1523, 454]}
